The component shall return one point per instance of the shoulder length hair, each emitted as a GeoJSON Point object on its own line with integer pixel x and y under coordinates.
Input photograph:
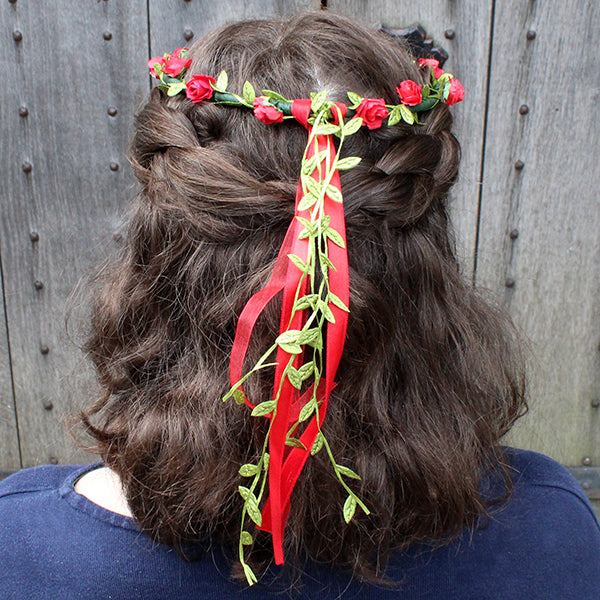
{"type": "Point", "coordinates": [431, 377]}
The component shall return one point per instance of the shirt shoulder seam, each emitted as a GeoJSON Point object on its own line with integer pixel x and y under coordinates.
{"type": "Point", "coordinates": [582, 498]}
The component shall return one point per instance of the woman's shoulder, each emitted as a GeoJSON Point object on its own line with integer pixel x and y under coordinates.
{"type": "Point", "coordinates": [540, 541]}
{"type": "Point", "coordinates": [40, 479]}
{"type": "Point", "coordinates": [535, 468]}
{"type": "Point", "coordinates": [546, 501]}
{"type": "Point", "coordinates": [536, 475]}
{"type": "Point", "coordinates": [34, 493]}
{"type": "Point", "coordinates": [545, 534]}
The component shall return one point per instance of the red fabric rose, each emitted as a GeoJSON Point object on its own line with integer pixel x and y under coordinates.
{"type": "Point", "coordinates": [157, 59]}
{"type": "Point", "coordinates": [266, 114]}
{"type": "Point", "coordinates": [432, 62]}
{"type": "Point", "coordinates": [174, 65]}
{"type": "Point", "coordinates": [372, 111]}
{"type": "Point", "coordinates": [410, 93]}
{"type": "Point", "coordinates": [199, 88]}
{"type": "Point", "coordinates": [178, 52]}
{"type": "Point", "coordinates": [457, 92]}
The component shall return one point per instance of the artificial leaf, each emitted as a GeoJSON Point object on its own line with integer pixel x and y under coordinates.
{"type": "Point", "coordinates": [236, 393]}
{"type": "Point", "coordinates": [175, 88]}
{"type": "Point", "coordinates": [288, 337]}
{"type": "Point", "coordinates": [353, 125]}
{"type": "Point", "coordinates": [244, 491]}
{"type": "Point", "coordinates": [294, 376]}
{"type": "Point", "coordinates": [306, 370]}
{"type": "Point", "coordinates": [318, 344]}
{"type": "Point", "coordinates": [222, 81]}
{"type": "Point", "coordinates": [291, 348]}
{"type": "Point", "coordinates": [307, 301]}
{"type": "Point", "coordinates": [306, 411]}
{"type": "Point", "coordinates": [310, 225]}
{"type": "Point", "coordinates": [249, 93]}
{"type": "Point", "coordinates": [446, 90]}
{"type": "Point", "coordinates": [274, 95]}
{"type": "Point", "coordinates": [309, 336]}
{"type": "Point", "coordinates": [246, 538]}
{"type": "Point", "coordinates": [347, 163]}
{"type": "Point", "coordinates": [167, 79]}
{"type": "Point", "coordinates": [335, 237]}
{"type": "Point", "coordinates": [307, 201]}
{"type": "Point", "coordinates": [445, 78]}
{"type": "Point", "coordinates": [308, 166]}
{"type": "Point", "coordinates": [407, 114]}
{"type": "Point", "coordinates": [355, 99]}
{"type": "Point", "coordinates": [266, 461]}
{"type": "Point", "coordinates": [253, 511]}
{"type": "Point", "coordinates": [328, 314]}
{"type": "Point", "coordinates": [349, 508]}
{"type": "Point", "coordinates": [317, 102]}
{"type": "Point", "coordinates": [314, 187]}
{"type": "Point", "coordinates": [295, 443]}
{"type": "Point", "coordinates": [251, 504]}
{"type": "Point", "coordinates": [395, 116]}
{"type": "Point", "coordinates": [347, 472]}
{"type": "Point", "coordinates": [325, 262]}
{"type": "Point", "coordinates": [249, 573]}
{"type": "Point", "coordinates": [239, 396]}
{"type": "Point", "coordinates": [319, 441]}
{"type": "Point", "coordinates": [302, 303]}
{"type": "Point", "coordinates": [334, 194]}
{"type": "Point", "coordinates": [264, 408]}
{"type": "Point", "coordinates": [327, 129]}
{"type": "Point", "coordinates": [248, 470]}
{"type": "Point", "coordinates": [298, 262]}
{"type": "Point", "coordinates": [335, 300]}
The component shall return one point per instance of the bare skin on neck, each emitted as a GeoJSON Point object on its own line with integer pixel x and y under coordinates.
{"type": "Point", "coordinates": [103, 487]}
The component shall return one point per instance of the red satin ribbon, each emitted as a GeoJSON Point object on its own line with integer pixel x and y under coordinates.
{"type": "Point", "coordinates": [286, 463]}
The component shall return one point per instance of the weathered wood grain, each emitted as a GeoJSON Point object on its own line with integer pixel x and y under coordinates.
{"type": "Point", "coordinates": [9, 441]}
{"type": "Point", "coordinates": [172, 20]}
{"type": "Point", "coordinates": [67, 75]}
{"type": "Point", "coordinates": [470, 22]}
{"type": "Point", "coordinates": [548, 276]}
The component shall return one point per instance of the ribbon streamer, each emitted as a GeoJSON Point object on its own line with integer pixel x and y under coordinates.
{"type": "Point", "coordinates": [286, 463]}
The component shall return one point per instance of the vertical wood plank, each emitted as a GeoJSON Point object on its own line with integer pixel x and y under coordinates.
{"type": "Point", "coordinates": [172, 22]}
{"type": "Point", "coordinates": [71, 66]}
{"type": "Point", "coordinates": [548, 272]}
{"type": "Point", "coordinates": [9, 441]}
{"type": "Point", "coordinates": [470, 22]}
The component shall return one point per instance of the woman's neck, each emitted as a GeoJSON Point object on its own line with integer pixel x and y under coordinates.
{"type": "Point", "coordinates": [103, 487]}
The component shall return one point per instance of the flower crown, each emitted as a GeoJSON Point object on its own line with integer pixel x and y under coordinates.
{"type": "Point", "coordinates": [314, 311]}
{"type": "Point", "coordinates": [170, 70]}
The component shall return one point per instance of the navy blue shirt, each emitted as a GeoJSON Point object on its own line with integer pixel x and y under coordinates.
{"type": "Point", "coordinates": [56, 544]}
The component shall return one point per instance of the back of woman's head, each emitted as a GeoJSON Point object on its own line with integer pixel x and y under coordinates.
{"type": "Point", "coordinates": [430, 377]}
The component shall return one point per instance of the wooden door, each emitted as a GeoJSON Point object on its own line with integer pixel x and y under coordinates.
{"type": "Point", "coordinates": [526, 206]}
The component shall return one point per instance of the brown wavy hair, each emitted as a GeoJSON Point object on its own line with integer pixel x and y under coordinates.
{"type": "Point", "coordinates": [432, 373]}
